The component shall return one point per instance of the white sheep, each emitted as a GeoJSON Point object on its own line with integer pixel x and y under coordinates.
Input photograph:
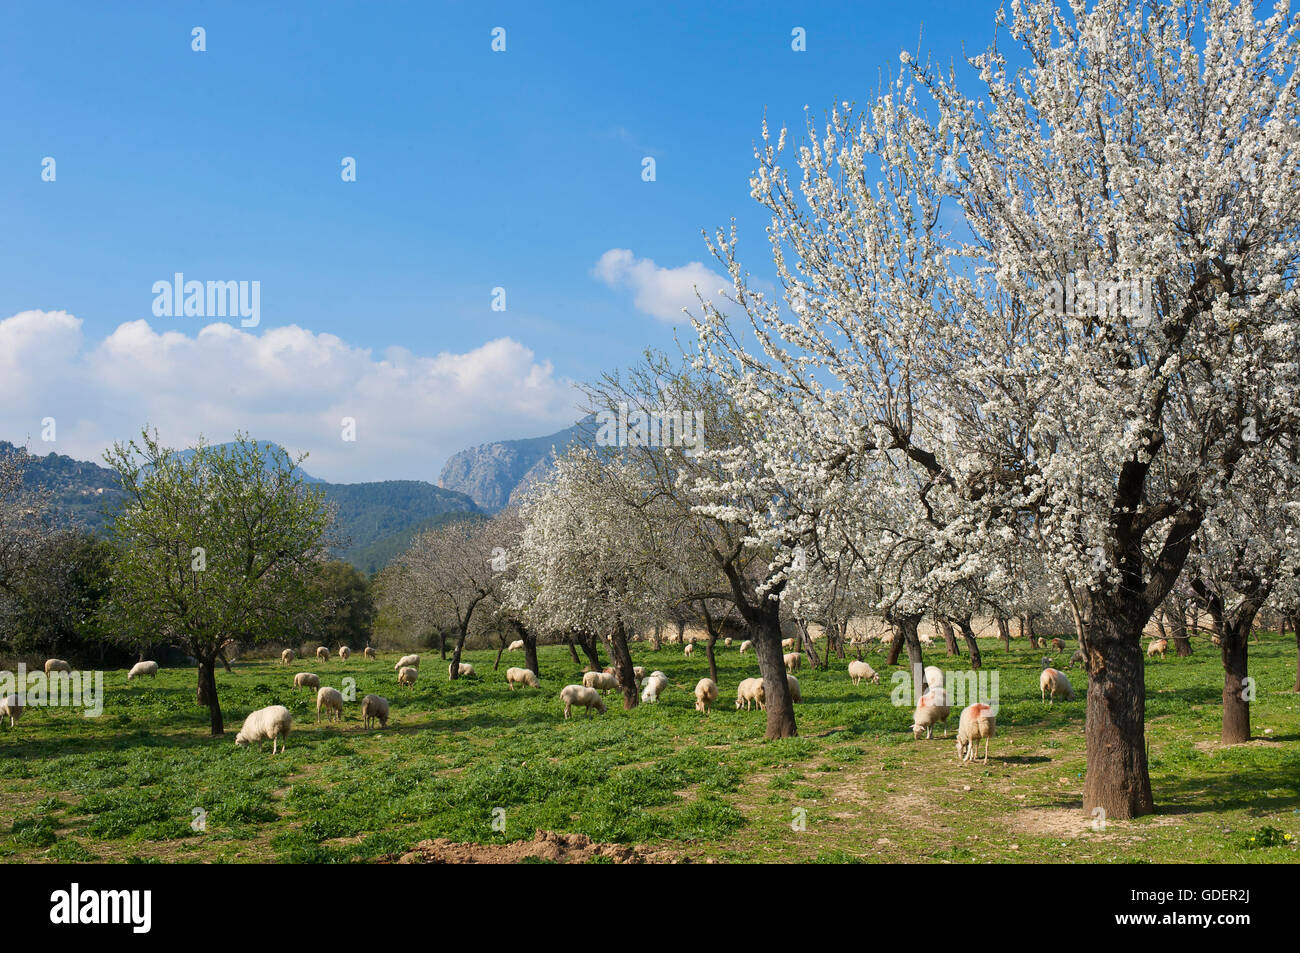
{"type": "Point", "coordinates": [706, 693]}
{"type": "Point", "coordinates": [1158, 647]}
{"type": "Point", "coordinates": [465, 670]}
{"type": "Point", "coordinates": [689, 650]}
{"type": "Point", "coordinates": [638, 672]}
{"type": "Point", "coordinates": [933, 676]}
{"type": "Point", "coordinates": [751, 690]}
{"type": "Point", "coordinates": [11, 707]}
{"type": "Point", "coordinates": [654, 687]}
{"type": "Point", "coordinates": [601, 681]}
{"type": "Point", "coordinates": [521, 676]}
{"type": "Point", "coordinates": [56, 665]}
{"type": "Point", "coordinates": [143, 668]}
{"type": "Point", "coordinates": [792, 661]}
{"type": "Point", "coordinates": [977, 721]}
{"type": "Point", "coordinates": [306, 680]}
{"type": "Point", "coordinates": [374, 708]}
{"type": "Point", "coordinates": [407, 676]}
{"type": "Point", "coordinates": [860, 671]}
{"type": "Point", "coordinates": [787, 643]}
{"type": "Point", "coordinates": [330, 699]}
{"type": "Point", "coordinates": [516, 646]}
{"type": "Point", "coordinates": [286, 656]}
{"type": "Point", "coordinates": [931, 709]}
{"type": "Point", "coordinates": [369, 653]}
{"type": "Point", "coordinates": [746, 646]}
{"type": "Point", "coordinates": [726, 643]}
{"type": "Point", "coordinates": [1054, 680]}
{"type": "Point", "coordinates": [581, 696]}
{"type": "Point", "coordinates": [323, 654]}
{"type": "Point", "coordinates": [273, 722]}
{"type": "Point", "coordinates": [344, 653]}
{"type": "Point", "coordinates": [412, 660]}
{"type": "Point", "coordinates": [792, 683]}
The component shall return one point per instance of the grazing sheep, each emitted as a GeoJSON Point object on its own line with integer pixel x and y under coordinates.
{"type": "Point", "coordinates": [792, 660]}
{"type": "Point", "coordinates": [143, 668]}
{"type": "Point", "coordinates": [792, 683]}
{"type": "Point", "coordinates": [638, 672]}
{"type": "Point", "coordinates": [933, 676]}
{"type": "Point", "coordinates": [323, 654]}
{"type": "Point", "coordinates": [11, 708]}
{"type": "Point", "coordinates": [654, 687]}
{"type": "Point", "coordinates": [931, 709]}
{"type": "Point", "coordinates": [926, 639]}
{"type": "Point", "coordinates": [306, 680]}
{"type": "Point", "coordinates": [860, 671]}
{"type": "Point", "coordinates": [1076, 659]}
{"type": "Point", "coordinates": [330, 699]}
{"type": "Point", "coordinates": [465, 670]}
{"type": "Point", "coordinates": [706, 693]}
{"type": "Point", "coordinates": [1053, 680]}
{"type": "Point", "coordinates": [273, 722]}
{"type": "Point", "coordinates": [787, 643]}
{"type": "Point", "coordinates": [746, 646]}
{"type": "Point", "coordinates": [977, 722]}
{"type": "Point", "coordinates": [516, 646]}
{"type": "Point", "coordinates": [374, 708]}
{"type": "Point", "coordinates": [407, 676]}
{"type": "Point", "coordinates": [405, 660]}
{"type": "Point", "coordinates": [1158, 647]}
{"type": "Point", "coordinates": [56, 665]}
{"type": "Point", "coordinates": [286, 656]}
{"type": "Point", "coordinates": [751, 690]}
{"type": "Point", "coordinates": [344, 653]}
{"type": "Point", "coordinates": [689, 650]}
{"type": "Point", "coordinates": [726, 643]}
{"type": "Point", "coordinates": [601, 681]}
{"type": "Point", "coordinates": [369, 653]}
{"type": "Point", "coordinates": [521, 676]}
{"type": "Point", "coordinates": [582, 696]}
{"type": "Point", "coordinates": [1058, 645]}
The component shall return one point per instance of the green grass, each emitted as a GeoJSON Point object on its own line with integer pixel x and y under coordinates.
{"type": "Point", "coordinates": [854, 786]}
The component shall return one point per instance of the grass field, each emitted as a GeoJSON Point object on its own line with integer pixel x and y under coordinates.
{"type": "Point", "coordinates": [125, 786]}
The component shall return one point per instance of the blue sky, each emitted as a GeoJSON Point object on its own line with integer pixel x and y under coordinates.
{"type": "Point", "coordinates": [475, 170]}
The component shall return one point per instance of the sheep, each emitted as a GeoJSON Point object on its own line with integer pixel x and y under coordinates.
{"type": "Point", "coordinates": [1058, 645]}
{"type": "Point", "coordinates": [286, 656]}
{"type": "Point", "coordinates": [689, 650]}
{"type": "Point", "coordinates": [860, 671]}
{"type": "Point", "coordinates": [521, 676]}
{"type": "Point", "coordinates": [931, 709]}
{"type": "Point", "coordinates": [926, 639]}
{"type": "Point", "coordinates": [1076, 659]}
{"type": "Point", "coordinates": [787, 643]}
{"type": "Point", "coordinates": [369, 653]}
{"type": "Point", "coordinates": [143, 668]}
{"type": "Point", "coordinates": [374, 708]}
{"type": "Point", "coordinates": [933, 676]}
{"type": "Point", "coordinates": [407, 676]}
{"type": "Point", "coordinates": [601, 681]}
{"type": "Point", "coordinates": [977, 721]}
{"type": "Point", "coordinates": [330, 699]}
{"type": "Point", "coordinates": [751, 690]}
{"type": "Point", "coordinates": [746, 646]}
{"type": "Point", "coordinates": [1053, 680]}
{"type": "Point", "coordinates": [792, 684]}
{"type": "Point", "coordinates": [726, 643]}
{"type": "Point", "coordinates": [464, 670]}
{"type": "Point", "coordinates": [56, 665]}
{"type": "Point", "coordinates": [323, 654]}
{"type": "Point", "coordinates": [516, 646]}
{"type": "Point", "coordinates": [1158, 647]}
{"type": "Point", "coordinates": [306, 680]}
{"type": "Point", "coordinates": [792, 660]}
{"type": "Point", "coordinates": [706, 693]}
{"type": "Point", "coordinates": [654, 687]}
{"type": "Point", "coordinates": [273, 722]}
{"type": "Point", "coordinates": [412, 660]}
{"type": "Point", "coordinates": [344, 653]}
{"type": "Point", "coordinates": [11, 707]}
{"type": "Point", "coordinates": [582, 696]}
{"type": "Point", "coordinates": [638, 672]}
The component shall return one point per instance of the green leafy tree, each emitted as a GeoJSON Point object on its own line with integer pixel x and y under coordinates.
{"type": "Point", "coordinates": [347, 606]}
{"type": "Point", "coordinates": [55, 605]}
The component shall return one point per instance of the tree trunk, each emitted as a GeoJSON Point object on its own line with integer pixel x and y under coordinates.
{"type": "Point", "coordinates": [454, 671]}
{"type": "Point", "coordinates": [500, 651]}
{"type": "Point", "coordinates": [765, 633]}
{"type": "Point", "coordinates": [1236, 707]}
{"type": "Point", "coordinates": [681, 631]}
{"type": "Point", "coordinates": [972, 646]}
{"type": "Point", "coordinates": [442, 645]}
{"type": "Point", "coordinates": [1117, 780]}
{"type": "Point", "coordinates": [708, 653]}
{"type": "Point", "coordinates": [905, 632]}
{"type": "Point", "coordinates": [588, 642]}
{"type": "Point", "coordinates": [1029, 628]}
{"type": "Point", "coordinates": [530, 649]}
{"type": "Point", "coordinates": [207, 694]}
{"type": "Point", "coordinates": [621, 659]}
{"type": "Point", "coordinates": [656, 639]}
{"type": "Point", "coordinates": [806, 644]}
{"type": "Point", "coordinates": [568, 640]}
{"type": "Point", "coordinates": [895, 646]}
{"type": "Point", "coordinates": [1004, 633]}
{"type": "Point", "coordinates": [949, 637]}
{"type": "Point", "coordinates": [1178, 629]}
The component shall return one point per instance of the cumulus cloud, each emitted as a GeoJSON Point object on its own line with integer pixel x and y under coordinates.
{"type": "Point", "coordinates": [285, 384]}
{"type": "Point", "coordinates": [661, 292]}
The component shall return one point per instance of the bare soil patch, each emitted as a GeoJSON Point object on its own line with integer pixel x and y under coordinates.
{"type": "Point", "coordinates": [545, 845]}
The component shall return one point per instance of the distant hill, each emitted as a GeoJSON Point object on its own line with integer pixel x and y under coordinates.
{"type": "Point", "coordinates": [493, 475]}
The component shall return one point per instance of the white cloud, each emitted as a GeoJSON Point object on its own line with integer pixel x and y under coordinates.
{"type": "Point", "coordinates": [285, 384]}
{"type": "Point", "coordinates": [661, 292]}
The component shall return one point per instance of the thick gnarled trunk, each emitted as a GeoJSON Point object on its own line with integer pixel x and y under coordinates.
{"type": "Point", "coordinates": [1117, 779]}
{"type": "Point", "coordinates": [621, 660]}
{"type": "Point", "coordinates": [207, 694]}
{"type": "Point", "coordinates": [1236, 699]}
{"type": "Point", "coordinates": [765, 633]}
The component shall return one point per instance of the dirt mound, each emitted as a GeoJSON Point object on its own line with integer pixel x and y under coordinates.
{"type": "Point", "coordinates": [545, 845]}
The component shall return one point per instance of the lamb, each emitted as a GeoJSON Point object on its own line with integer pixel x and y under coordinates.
{"type": "Point", "coordinates": [56, 665]}
{"type": "Point", "coordinates": [931, 709]}
{"type": "Point", "coordinates": [306, 680]}
{"type": "Point", "coordinates": [792, 684]}
{"type": "Point", "coordinates": [1053, 680]}
{"type": "Point", "coordinates": [582, 696]}
{"type": "Point", "coordinates": [792, 661]}
{"type": "Point", "coordinates": [330, 699]}
{"type": "Point", "coordinates": [751, 690]}
{"type": "Point", "coordinates": [407, 675]}
{"type": "Point", "coordinates": [143, 668]}
{"type": "Point", "coordinates": [273, 722]}
{"type": "Point", "coordinates": [654, 687]}
{"type": "Point", "coordinates": [601, 681]}
{"type": "Point", "coordinates": [689, 650]}
{"type": "Point", "coordinates": [521, 676]}
{"type": "Point", "coordinates": [1158, 647]}
{"type": "Point", "coordinates": [746, 646]}
{"type": "Point", "coordinates": [933, 676]}
{"type": "Point", "coordinates": [860, 671]}
{"type": "Point", "coordinates": [977, 722]}
{"type": "Point", "coordinates": [369, 653]}
{"type": "Point", "coordinates": [465, 670]}
{"type": "Point", "coordinates": [787, 643]}
{"type": "Point", "coordinates": [706, 693]}
{"type": "Point", "coordinates": [726, 643]}
{"type": "Point", "coordinates": [286, 656]}
{"type": "Point", "coordinates": [405, 660]}
{"type": "Point", "coordinates": [374, 708]}
{"type": "Point", "coordinates": [323, 654]}
{"type": "Point", "coordinates": [344, 653]}
{"type": "Point", "coordinates": [11, 707]}
{"type": "Point", "coordinates": [516, 646]}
